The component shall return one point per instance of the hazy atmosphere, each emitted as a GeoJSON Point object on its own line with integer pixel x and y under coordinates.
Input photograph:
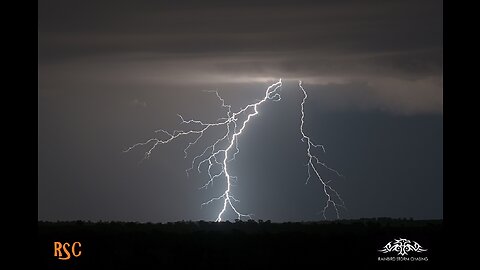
{"type": "Point", "coordinates": [110, 73]}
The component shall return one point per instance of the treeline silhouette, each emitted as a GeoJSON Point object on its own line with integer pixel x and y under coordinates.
{"type": "Point", "coordinates": [238, 244]}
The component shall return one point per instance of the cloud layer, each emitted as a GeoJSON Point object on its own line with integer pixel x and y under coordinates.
{"type": "Point", "coordinates": [384, 55]}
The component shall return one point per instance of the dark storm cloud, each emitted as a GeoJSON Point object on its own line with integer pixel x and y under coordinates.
{"type": "Point", "coordinates": [398, 43]}
{"type": "Point", "coordinates": [212, 27]}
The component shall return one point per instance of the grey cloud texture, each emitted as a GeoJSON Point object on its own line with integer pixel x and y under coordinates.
{"type": "Point", "coordinates": [393, 49]}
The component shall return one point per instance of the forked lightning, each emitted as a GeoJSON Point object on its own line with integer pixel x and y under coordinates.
{"type": "Point", "coordinates": [313, 160]}
{"type": "Point", "coordinates": [225, 149]}
{"type": "Point", "coordinates": [219, 153]}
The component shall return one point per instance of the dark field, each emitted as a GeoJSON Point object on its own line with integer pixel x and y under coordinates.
{"type": "Point", "coordinates": [237, 245]}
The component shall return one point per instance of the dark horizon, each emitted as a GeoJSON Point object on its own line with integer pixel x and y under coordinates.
{"type": "Point", "coordinates": [211, 244]}
{"type": "Point", "coordinates": [370, 219]}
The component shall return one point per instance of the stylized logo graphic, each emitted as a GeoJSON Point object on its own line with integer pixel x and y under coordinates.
{"type": "Point", "coordinates": [58, 246]}
{"type": "Point", "coordinates": [402, 246]}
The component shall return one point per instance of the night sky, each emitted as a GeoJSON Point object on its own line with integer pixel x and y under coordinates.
{"type": "Point", "coordinates": [110, 73]}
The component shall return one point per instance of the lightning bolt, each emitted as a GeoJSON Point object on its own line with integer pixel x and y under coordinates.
{"type": "Point", "coordinates": [313, 160]}
{"type": "Point", "coordinates": [225, 149]}
{"type": "Point", "coordinates": [222, 151]}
